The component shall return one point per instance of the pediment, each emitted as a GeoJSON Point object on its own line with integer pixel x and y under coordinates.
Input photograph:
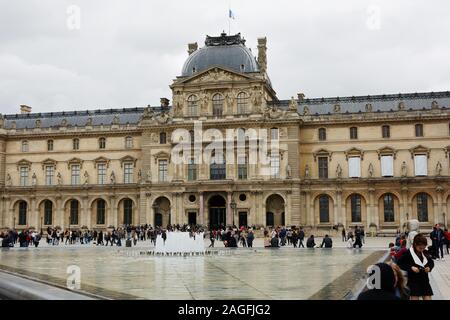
{"type": "Point", "coordinates": [215, 74]}
{"type": "Point", "coordinates": [322, 153]}
{"type": "Point", "coordinates": [101, 160]}
{"type": "Point", "coordinates": [354, 152]}
{"type": "Point", "coordinates": [161, 155]}
{"type": "Point", "coordinates": [386, 151]}
{"type": "Point", "coordinates": [127, 159]}
{"type": "Point", "coordinates": [23, 163]}
{"type": "Point", "coordinates": [48, 162]}
{"type": "Point", "coordinates": [75, 161]}
{"type": "Point", "coordinates": [419, 150]}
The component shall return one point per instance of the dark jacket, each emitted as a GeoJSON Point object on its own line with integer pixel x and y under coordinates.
{"type": "Point", "coordinates": [327, 242]}
{"type": "Point", "coordinates": [418, 283]}
{"type": "Point", "coordinates": [385, 290]}
{"type": "Point", "coordinates": [310, 243]}
{"type": "Point", "coordinates": [274, 242]}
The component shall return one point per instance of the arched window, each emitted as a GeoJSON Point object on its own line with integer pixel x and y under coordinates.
{"type": "Point", "coordinates": [76, 144]}
{"type": "Point", "coordinates": [242, 103]}
{"type": "Point", "coordinates": [270, 219]}
{"type": "Point", "coordinates": [49, 145]}
{"type": "Point", "coordinates": [324, 208]}
{"type": "Point", "coordinates": [218, 167]}
{"type": "Point", "coordinates": [162, 138]}
{"type": "Point", "coordinates": [25, 146]}
{"type": "Point", "coordinates": [102, 143]}
{"type": "Point", "coordinates": [48, 212]}
{"type": "Point", "coordinates": [274, 134]}
{"type": "Point", "coordinates": [422, 207]}
{"type": "Point", "coordinates": [23, 208]}
{"type": "Point", "coordinates": [101, 211]}
{"type": "Point", "coordinates": [74, 211]}
{"type": "Point", "coordinates": [356, 207]}
{"type": "Point", "coordinates": [127, 212]}
{"type": "Point", "coordinates": [192, 105]}
{"type": "Point", "coordinates": [217, 105]}
{"type": "Point", "coordinates": [322, 134]}
{"type": "Point", "coordinates": [129, 142]}
{"type": "Point", "coordinates": [388, 204]}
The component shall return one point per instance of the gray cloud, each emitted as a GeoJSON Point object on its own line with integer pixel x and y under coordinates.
{"type": "Point", "coordinates": [127, 53]}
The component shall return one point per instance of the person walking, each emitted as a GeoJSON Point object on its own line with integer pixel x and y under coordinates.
{"type": "Point", "coordinates": [358, 241]}
{"type": "Point", "coordinates": [344, 238]}
{"type": "Point", "coordinates": [294, 238]}
{"type": "Point", "coordinates": [301, 237]}
{"type": "Point", "coordinates": [250, 238]}
{"type": "Point", "coordinates": [418, 264]}
{"type": "Point", "coordinates": [211, 239]}
{"type": "Point", "coordinates": [437, 236]}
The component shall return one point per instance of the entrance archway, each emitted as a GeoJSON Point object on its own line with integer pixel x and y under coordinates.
{"type": "Point", "coordinates": [275, 211]}
{"type": "Point", "coordinates": [161, 207]}
{"type": "Point", "coordinates": [217, 212]}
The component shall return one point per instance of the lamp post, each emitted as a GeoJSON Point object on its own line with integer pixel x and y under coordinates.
{"type": "Point", "coordinates": [233, 207]}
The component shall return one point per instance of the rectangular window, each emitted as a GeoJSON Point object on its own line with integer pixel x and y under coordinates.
{"type": "Point", "coordinates": [75, 174]}
{"type": "Point", "coordinates": [101, 173]}
{"type": "Point", "coordinates": [49, 175]}
{"type": "Point", "coordinates": [24, 176]}
{"type": "Point", "coordinates": [356, 208]}
{"type": "Point", "coordinates": [420, 165]}
{"type": "Point", "coordinates": [274, 134]}
{"type": "Point", "coordinates": [323, 167]}
{"type": "Point", "coordinates": [419, 130]}
{"type": "Point", "coordinates": [162, 170]}
{"type": "Point", "coordinates": [353, 133]}
{"type": "Point", "coordinates": [275, 166]}
{"type": "Point", "coordinates": [242, 168]}
{"type": "Point", "coordinates": [50, 145]}
{"type": "Point", "coordinates": [387, 166]}
{"type": "Point", "coordinates": [192, 170]}
{"type": "Point", "coordinates": [218, 169]}
{"type": "Point", "coordinates": [386, 131]}
{"type": "Point", "coordinates": [354, 167]}
{"type": "Point", "coordinates": [128, 173]}
{"type": "Point", "coordinates": [128, 142]}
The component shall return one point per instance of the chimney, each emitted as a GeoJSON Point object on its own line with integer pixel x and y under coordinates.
{"type": "Point", "coordinates": [262, 54]}
{"type": "Point", "coordinates": [192, 47]}
{"type": "Point", "coordinates": [164, 102]}
{"type": "Point", "coordinates": [25, 109]}
{"type": "Point", "coordinates": [300, 97]}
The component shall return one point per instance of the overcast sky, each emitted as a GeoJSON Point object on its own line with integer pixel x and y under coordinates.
{"type": "Point", "coordinates": [126, 53]}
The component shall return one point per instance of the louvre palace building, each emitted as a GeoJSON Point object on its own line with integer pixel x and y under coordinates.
{"type": "Point", "coordinates": [374, 161]}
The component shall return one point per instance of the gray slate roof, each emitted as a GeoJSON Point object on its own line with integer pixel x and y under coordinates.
{"type": "Point", "coordinates": [317, 106]}
{"type": "Point", "coordinates": [380, 103]}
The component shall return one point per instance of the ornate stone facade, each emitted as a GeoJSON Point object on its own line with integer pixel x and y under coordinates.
{"type": "Point", "coordinates": [374, 161]}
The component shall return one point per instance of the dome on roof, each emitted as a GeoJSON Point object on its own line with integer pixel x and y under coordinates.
{"type": "Point", "coordinates": [226, 51]}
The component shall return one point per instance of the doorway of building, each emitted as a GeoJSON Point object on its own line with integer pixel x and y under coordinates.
{"type": "Point", "coordinates": [192, 218]}
{"type": "Point", "coordinates": [243, 219]}
{"type": "Point", "coordinates": [217, 212]}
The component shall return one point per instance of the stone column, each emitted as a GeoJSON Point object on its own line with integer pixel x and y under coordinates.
{"type": "Point", "coordinates": [86, 213]}
{"type": "Point", "coordinates": [309, 212]}
{"type": "Point", "coordinates": [370, 214]}
{"type": "Point", "coordinates": [60, 212]}
{"type": "Point", "coordinates": [230, 212]}
{"type": "Point", "coordinates": [403, 206]}
{"type": "Point", "coordinates": [201, 209]}
{"type": "Point", "coordinates": [114, 220]}
{"type": "Point", "coordinates": [33, 214]}
{"type": "Point", "coordinates": [438, 209]}
{"type": "Point", "coordinates": [287, 208]}
{"type": "Point", "coordinates": [148, 209]}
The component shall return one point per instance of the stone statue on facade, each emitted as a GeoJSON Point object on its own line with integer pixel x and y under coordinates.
{"type": "Point", "coordinates": [86, 178]}
{"type": "Point", "coordinates": [370, 171]}
{"type": "Point", "coordinates": [139, 176]}
{"type": "Point", "coordinates": [8, 180]}
{"type": "Point", "coordinates": [34, 180]}
{"type": "Point", "coordinates": [59, 179]}
{"type": "Point", "coordinates": [149, 176]}
{"type": "Point", "coordinates": [401, 106]}
{"type": "Point", "coordinates": [148, 113]}
{"type": "Point", "coordinates": [306, 111]}
{"type": "Point", "coordinates": [337, 108]}
{"type": "Point", "coordinates": [404, 169]}
{"type": "Point", "coordinates": [204, 101]}
{"type": "Point", "coordinates": [288, 171]}
{"type": "Point", "coordinates": [369, 107]}
{"type": "Point", "coordinates": [438, 168]}
{"type": "Point", "coordinates": [37, 123]}
{"type": "Point", "coordinates": [112, 178]}
{"type": "Point", "coordinates": [229, 101]}
{"type": "Point", "coordinates": [116, 120]}
{"type": "Point", "coordinates": [293, 104]}
{"type": "Point", "coordinates": [307, 172]}
{"type": "Point", "coordinates": [338, 171]}
{"type": "Point", "coordinates": [434, 105]}
{"type": "Point", "coordinates": [89, 122]}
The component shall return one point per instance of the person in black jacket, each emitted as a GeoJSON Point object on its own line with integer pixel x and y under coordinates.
{"type": "Point", "coordinates": [438, 238]}
{"type": "Point", "coordinates": [327, 242]}
{"type": "Point", "coordinates": [418, 263]}
{"type": "Point", "coordinates": [301, 237]}
{"type": "Point", "coordinates": [310, 242]}
{"type": "Point", "coordinates": [385, 290]}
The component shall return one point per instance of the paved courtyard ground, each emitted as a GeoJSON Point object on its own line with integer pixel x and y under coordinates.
{"type": "Point", "coordinates": [440, 277]}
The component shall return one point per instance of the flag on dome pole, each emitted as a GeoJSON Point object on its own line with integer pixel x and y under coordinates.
{"type": "Point", "coordinates": [231, 14]}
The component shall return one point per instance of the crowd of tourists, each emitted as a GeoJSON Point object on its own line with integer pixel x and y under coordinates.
{"type": "Point", "coordinates": [406, 276]}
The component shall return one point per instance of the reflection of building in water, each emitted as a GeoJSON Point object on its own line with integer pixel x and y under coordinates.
{"type": "Point", "coordinates": [373, 161]}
